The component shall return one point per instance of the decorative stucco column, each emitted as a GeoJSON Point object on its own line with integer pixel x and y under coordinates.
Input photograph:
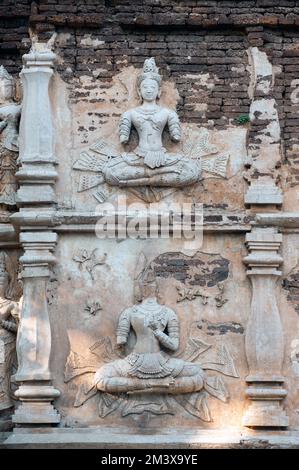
{"type": "Point", "coordinates": [264, 337]}
{"type": "Point", "coordinates": [36, 196]}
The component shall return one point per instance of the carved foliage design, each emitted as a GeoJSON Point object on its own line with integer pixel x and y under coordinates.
{"type": "Point", "coordinates": [88, 260]}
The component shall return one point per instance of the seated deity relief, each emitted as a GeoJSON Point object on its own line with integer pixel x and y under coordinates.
{"type": "Point", "coordinates": [150, 165]}
{"type": "Point", "coordinates": [146, 372]}
{"type": "Point", "coordinates": [149, 368]}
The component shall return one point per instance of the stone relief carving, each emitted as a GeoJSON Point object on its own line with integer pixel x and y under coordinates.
{"type": "Point", "coordinates": [150, 168]}
{"type": "Point", "coordinates": [89, 260]}
{"type": "Point", "coordinates": [9, 123]}
{"type": "Point", "coordinates": [192, 293]}
{"type": "Point", "coordinates": [92, 307]}
{"type": "Point", "coordinates": [9, 319]}
{"type": "Point", "coordinates": [148, 377]}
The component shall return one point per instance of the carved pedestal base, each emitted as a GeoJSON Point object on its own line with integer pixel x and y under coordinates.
{"type": "Point", "coordinates": [265, 408]}
{"type": "Point", "coordinates": [36, 407]}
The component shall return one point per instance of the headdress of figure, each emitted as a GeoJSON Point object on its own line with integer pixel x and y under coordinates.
{"type": "Point", "coordinates": [150, 70]}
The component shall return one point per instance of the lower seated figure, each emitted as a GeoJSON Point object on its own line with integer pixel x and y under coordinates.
{"type": "Point", "coordinates": [148, 373]}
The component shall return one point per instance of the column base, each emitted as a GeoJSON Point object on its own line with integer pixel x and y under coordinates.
{"type": "Point", "coordinates": [36, 413]}
{"type": "Point", "coordinates": [36, 406]}
{"type": "Point", "coordinates": [265, 414]}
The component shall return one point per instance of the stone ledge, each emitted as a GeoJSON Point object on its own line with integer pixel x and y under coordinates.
{"type": "Point", "coordinates": [106, 438]}
{"type": "Point", "coordinates": [84, 221]}
{"type": "Point", "coordinates": [279, 219]}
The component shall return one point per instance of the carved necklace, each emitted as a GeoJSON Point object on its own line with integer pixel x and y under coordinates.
{"type": "Point", "coordinates": [153, 311]}
{"type": "Point", "coordinates": [148, 111]}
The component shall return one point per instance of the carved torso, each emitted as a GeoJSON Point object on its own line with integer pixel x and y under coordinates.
{"type": "Point", "coordinates": [140, 317]}
{"type": "Point", "coordinates": [150, 123]}
{"type": "Point", "coordinates": [147, 356]}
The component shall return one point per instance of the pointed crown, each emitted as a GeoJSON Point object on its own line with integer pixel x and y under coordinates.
{"type": "Point", "coordinates": [150, 70]}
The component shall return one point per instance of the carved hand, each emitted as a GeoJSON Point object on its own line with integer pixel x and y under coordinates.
{"type": "Point", "coordinates": [120, 341]}
{"type": "Point", "coordinates": [123, 139]}
{"type": "Point", "coordinates": [176, 137]}
{"type": "Point", "coordinates": [154, 325]}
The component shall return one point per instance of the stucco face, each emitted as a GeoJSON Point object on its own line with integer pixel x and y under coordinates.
{"type": "Point", "coordinates": [149, 89]}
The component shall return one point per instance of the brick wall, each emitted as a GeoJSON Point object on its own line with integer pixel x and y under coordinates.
{"type": "Point", "coordinates": [186, 37]}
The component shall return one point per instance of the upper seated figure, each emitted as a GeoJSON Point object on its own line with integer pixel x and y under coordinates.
{"type": "Point", "coordinates": [150, 164]}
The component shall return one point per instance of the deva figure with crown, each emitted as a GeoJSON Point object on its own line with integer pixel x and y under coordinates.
{"type": "Point", "coordinates": [150, 164]}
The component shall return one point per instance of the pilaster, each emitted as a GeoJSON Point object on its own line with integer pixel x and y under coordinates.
{"type": "Point", "coordinates": [264, 338]}
{"type": "Point", "coordinates": [36, 194]}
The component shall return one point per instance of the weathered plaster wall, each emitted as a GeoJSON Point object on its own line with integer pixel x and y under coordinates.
{"type": "Point", "coordinates": [228, 67]}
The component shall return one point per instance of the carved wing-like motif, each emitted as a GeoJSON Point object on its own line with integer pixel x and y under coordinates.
{"type": "Point", "coordinates": [93, 162]}
{"type": "Point", "coordinates": [196, 404]}
{"type": "Point", "coordinates": [83, 369]}
{"type": "Point", "coordinates": [211, 357]}
{"type": "Point", "coordinates": [199, 148]}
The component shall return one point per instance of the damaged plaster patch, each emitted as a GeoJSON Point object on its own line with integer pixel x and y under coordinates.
{"type": "Point", "coordinates": [261, 72]}
{"type": "Point", "coordinates": [265, 110]}
{"type": "Point", "coordinates": [264, 139]}
{"type": "Point", "coordinates": [201, 85]}
{"type": "Point", "coordinates": [223, 328]}
{"type": "Point", "coordinates": [203, 79]}
{"type": "Point", "coordinates": [63, 39]}
{"type": "Point", "coordinates": [90, 42]}
{"type": "Point", "coordinates": [295, 92]}
{"type": "Point", "coordinates": [295, 356]}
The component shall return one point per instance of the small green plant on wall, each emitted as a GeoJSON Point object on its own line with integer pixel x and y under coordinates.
{"type": "Point", "coordinates": [242, 119]}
